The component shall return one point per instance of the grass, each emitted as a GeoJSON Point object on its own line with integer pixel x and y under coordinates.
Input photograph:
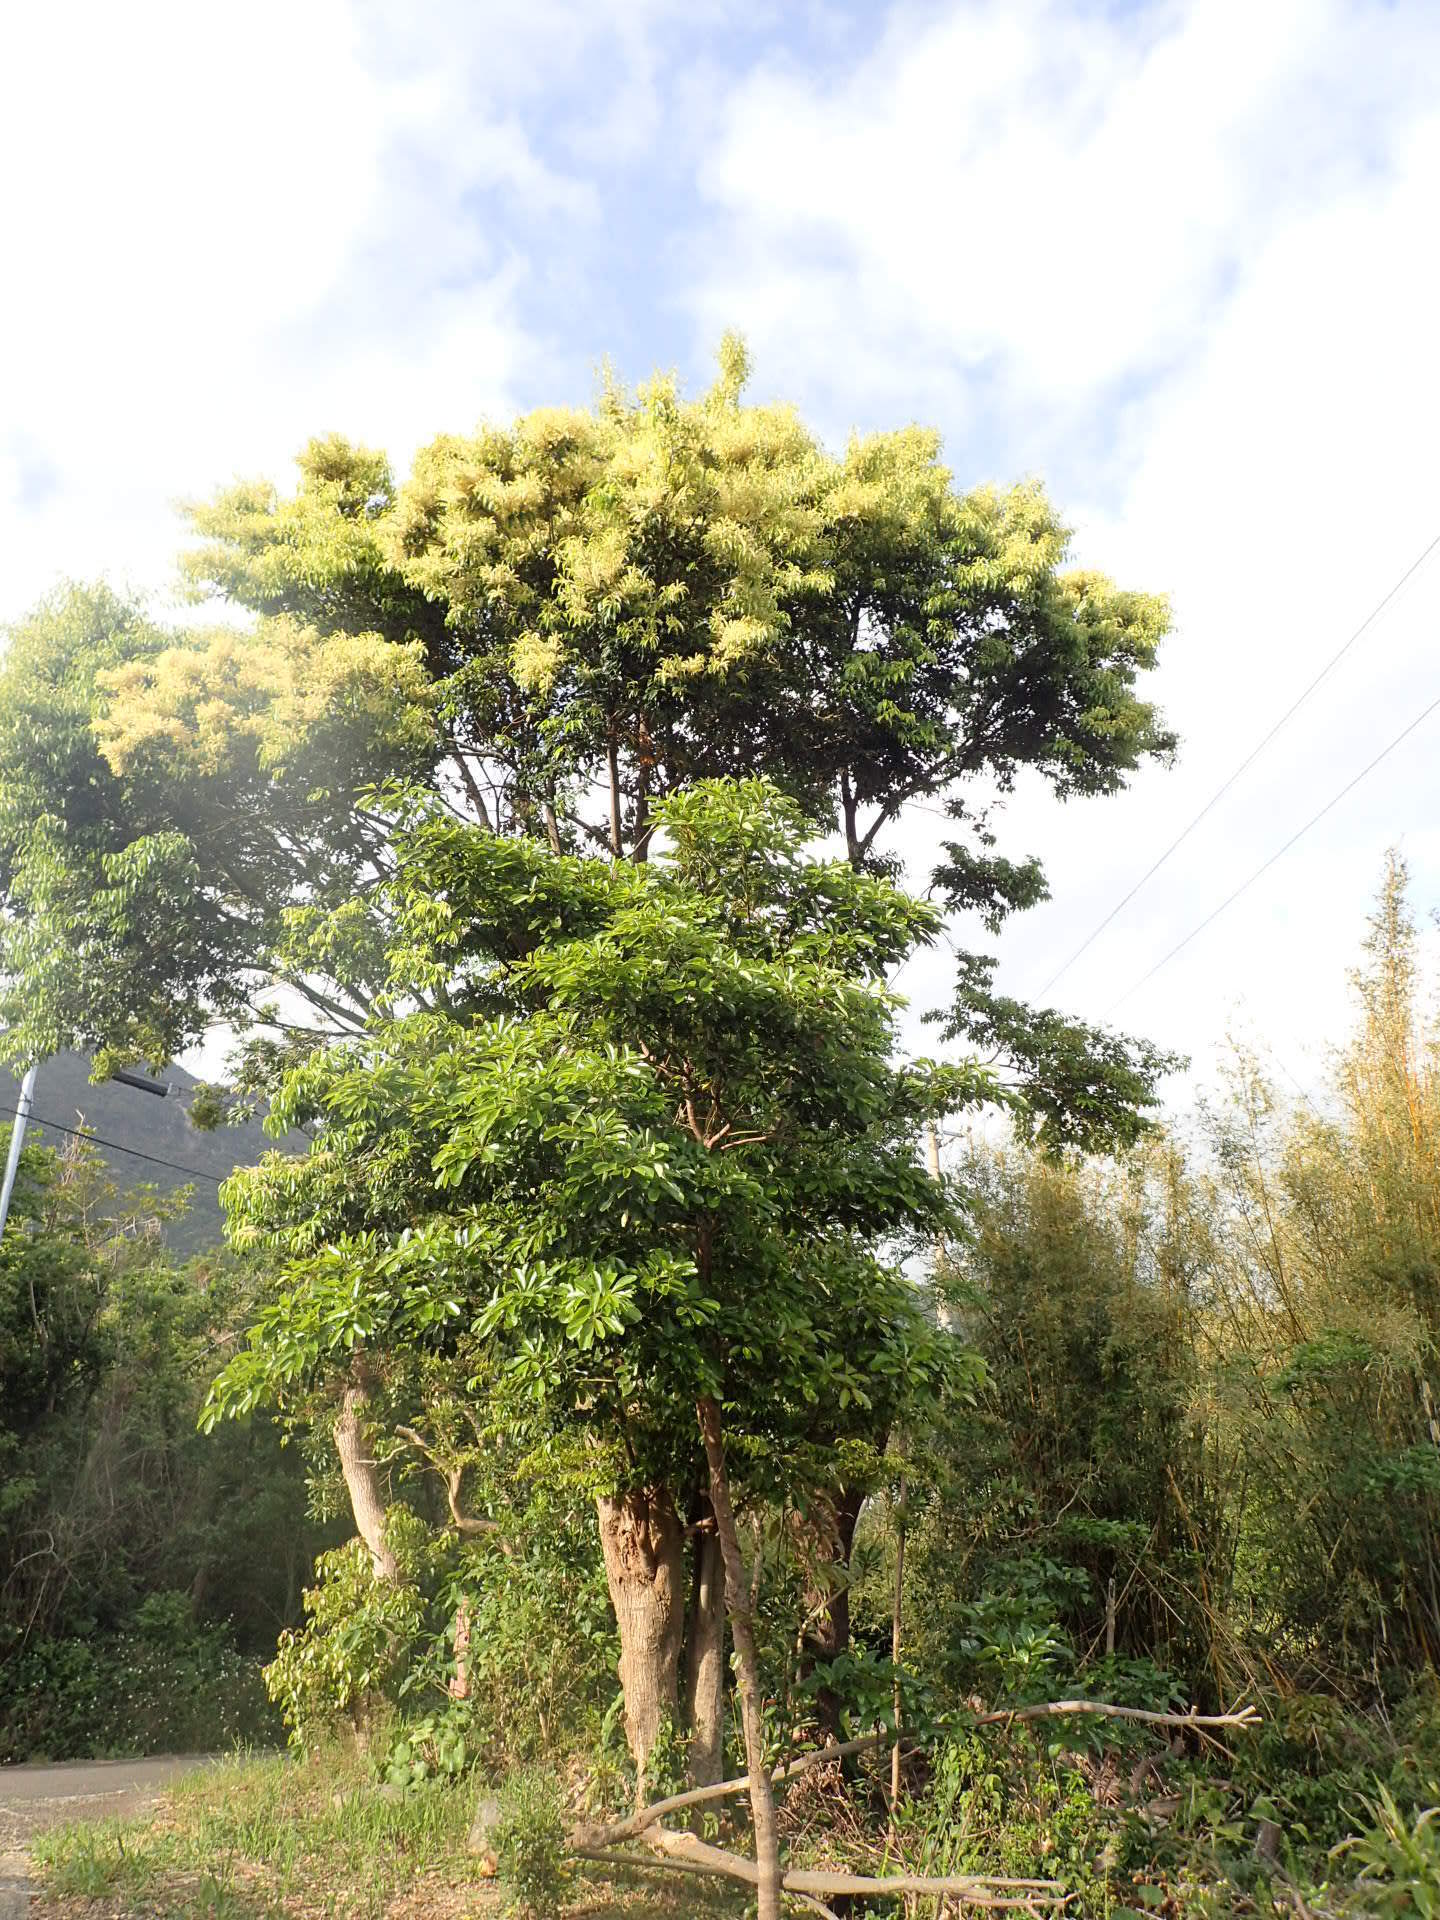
{"type": "Point", "coordinates": [274, 1838]}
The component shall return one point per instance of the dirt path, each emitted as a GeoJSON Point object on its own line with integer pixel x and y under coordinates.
{"type": "Point", "coordinates": [52, 1795]}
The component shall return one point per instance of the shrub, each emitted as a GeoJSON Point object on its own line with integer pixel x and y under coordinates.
{"type": "Point", "coordinates": [529, 1841]}
{"type": "Point", "coordinates": [439, 1746]}
{"type": "Point", "coordinates": [1399, 1859]}
{"type": "Point", "coordinates": [359, 1641]}
{"type": "Point", "coordinates": [152, 1689]}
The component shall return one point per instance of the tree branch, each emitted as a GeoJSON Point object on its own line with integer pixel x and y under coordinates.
{"type": "Point", "coordinates": [978, 1890]}
{"type": "Point", "coordinates": [452, 1476]}
{"type": "Point", "coordinates": [1242, 1716]}
{"type": "Point", "coordinates": [477, 799]}
{"type": "Point", "coordinates": [637, 1823]}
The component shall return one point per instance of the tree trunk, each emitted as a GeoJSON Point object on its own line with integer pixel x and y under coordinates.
{"type": "Point", "coordinates": [827, 1597]}
{"type": "Point", "coordinates": [460, 1680]}
{"type": "Point", "coordinates": [848, 811]}
{"type": "Point", "coordinates": [737, 1605]}
{"type": "Point", "coordinates": [361, 1478]}
{"type": "Point", "coordinates": [552, 825]}
{"type": "Point", "coordinates": [644, 1547]}
{"type": "Point", "coordinates": [896, 1645]}
{"type": "Point", "coordinates": [612, 761]}
{"type": "Point", "coordinates": [705, 1663]}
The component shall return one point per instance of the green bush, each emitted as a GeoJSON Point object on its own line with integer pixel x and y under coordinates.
{"type": "Point", "coordinates": [159, 1687]}
{"type": "Point", "coordinates": [359, 1642]}
{"type": "Point", "coordinates": [439, 1746]}
{"type": "Point", "coordinates": [529, 1841]}
{"type": "Point", "coordinates": [1399, 1859]}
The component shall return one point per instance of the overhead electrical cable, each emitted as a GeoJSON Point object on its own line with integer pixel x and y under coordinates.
{"type": "Point", "coordinates": [1265, 867]}
{"type": "Point", "coordinates": [96, 1140]}
{"type": "Point", "coordinates": [1246, 763]}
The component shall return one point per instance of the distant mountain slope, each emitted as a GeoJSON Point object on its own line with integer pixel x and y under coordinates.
{"type": "Point", "coordinates": [130, 1124]}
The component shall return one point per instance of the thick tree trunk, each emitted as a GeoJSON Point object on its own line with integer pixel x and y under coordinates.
{"type": "Point", "coordinates": [361, 1478]}
{"type": "Point", "coordinates": [644, 1547]}
{"type": "Point", "coordinates": [737, 1605]}
{"type": "Point", "coordinates": [705, 1663]}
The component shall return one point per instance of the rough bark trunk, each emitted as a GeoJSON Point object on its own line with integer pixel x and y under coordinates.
{"type": "Point", "coordinates": [737, 1605]}
{"type": "Point", "coordinates": [705, 1663]}
{"type": "Point", "coordinates": [644, 1547]}
{"type": "Point", "coordinates": [552, 825]}
{"type": "Point", "coordinates": [460, 1679]}
{"type": "Point", "coordinates": [362, 1481]}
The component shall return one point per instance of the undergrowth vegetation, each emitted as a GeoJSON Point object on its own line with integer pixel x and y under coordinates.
{"type": "Point", "coordinates": [318, 1839]}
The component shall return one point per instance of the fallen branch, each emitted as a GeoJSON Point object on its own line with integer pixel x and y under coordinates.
{"type": "Point", "coordinates": [637, 1823]}
{"type": "Point", "coordinates": [978, 1890]}
{"type": "Point", "coordinates": [645, 1862]}
{"type": "Point", "coordinates": [1246, 1716]}
{"type": "Point", "coordinates": [653, 1863]}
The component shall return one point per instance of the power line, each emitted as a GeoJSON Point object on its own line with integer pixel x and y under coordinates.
{"type": "Point", "coordinates": [1248, 761]}
{"type": "Point", "coordinates": [95, 1139]}
{"type": "Point", "coordinates": [1265, 867]}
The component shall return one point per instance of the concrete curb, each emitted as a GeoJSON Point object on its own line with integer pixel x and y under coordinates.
{"type": "Point", "coordinates": [16, 1888]}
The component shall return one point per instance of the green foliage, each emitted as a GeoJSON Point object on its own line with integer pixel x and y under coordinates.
{"type": "Point", "coordinates": [359, 1642]}
{"type": "Point", "coordinates": [165, 1685]}
{"type": "Point", "coordinates": [529, 1839]}
{"type": "Point", "coordinates": [437, 1746]}
{"type": "Point", "coordinates": [540, 1662]}
{"type": "Point", "coordinates": [542, 1642]}
{"type": "Point", "coordinates": [1327, 1255]}
{"type": "Point", "coordinates": [1399, 1859]}
{"type": "Point", "coordinates": [634, 598]}
{"type": "Point", "coordinates": [659, 1110]}
{"type": "Point", "coordinates": [1080, 1085]}
{"type": "Point", "coordinates": [1018, 1812]}
{"type": "Point", "coordinates": [142, 1565]}
{"type": "Point", "coordinates": [1082, 1470]}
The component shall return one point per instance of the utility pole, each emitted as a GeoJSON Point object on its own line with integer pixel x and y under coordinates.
{"type": "Point", "coordinates": [141, 1082]}
{"type": "Point", "coordinates": [17, 1138]}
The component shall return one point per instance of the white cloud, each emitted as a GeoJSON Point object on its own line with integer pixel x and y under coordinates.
{"type": "Point", "coordinates": [227, 230]}
{"type": "Point", "coordinates": [1180, 263]}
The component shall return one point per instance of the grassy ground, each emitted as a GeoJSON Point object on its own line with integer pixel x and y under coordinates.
{"type": "Point", "coordinates": [273, 1837]}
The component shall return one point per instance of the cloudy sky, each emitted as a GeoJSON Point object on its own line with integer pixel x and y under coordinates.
{"type": "Point", "coordinates": [1178, 259]}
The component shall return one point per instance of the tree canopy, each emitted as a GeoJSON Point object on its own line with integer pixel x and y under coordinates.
{"type": "Point", "coordinates": [552, 625]}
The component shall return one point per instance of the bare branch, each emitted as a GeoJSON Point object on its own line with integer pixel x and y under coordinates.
{"type": "Point", "coordinates": [1242, 1716]}
{"type": "Point", "coordinates": [452, 1477]}
{"type": "Point", "coordinates": [978, 1890]}
{"type": "Point", "coordinates": [477, 799]}
{"type": "Point", "coordinates": [636, 1824]}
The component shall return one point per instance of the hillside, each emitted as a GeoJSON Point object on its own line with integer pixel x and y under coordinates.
{"type": "Point", "coordinates": [134, 1132]}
